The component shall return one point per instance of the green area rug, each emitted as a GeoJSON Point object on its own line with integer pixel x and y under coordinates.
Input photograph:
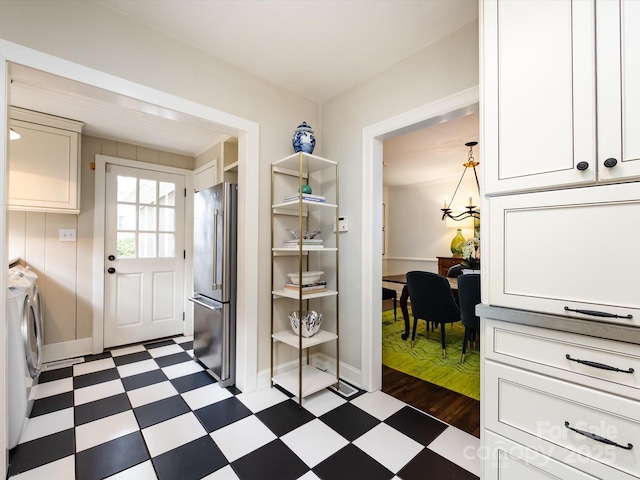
{"type": "Point", "coordinates": [425, 361]}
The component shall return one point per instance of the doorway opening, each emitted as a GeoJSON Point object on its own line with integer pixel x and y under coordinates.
{"type": "Point", "coordinates": [131, 93]}
{"type": "Point", "coordinates": [375, 136]}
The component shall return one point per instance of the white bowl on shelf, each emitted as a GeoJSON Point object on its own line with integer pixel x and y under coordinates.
{"type": "Point", "coordinates": [307, 277]}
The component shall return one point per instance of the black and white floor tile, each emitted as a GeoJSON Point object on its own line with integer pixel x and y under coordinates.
{"type": "Point", "coordinates": [151, 412]}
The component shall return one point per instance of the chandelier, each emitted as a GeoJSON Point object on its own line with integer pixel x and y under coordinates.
{"type": "Point", "coordinates": [471, 210]}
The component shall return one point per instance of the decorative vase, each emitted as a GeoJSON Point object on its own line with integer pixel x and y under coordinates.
{"type": "Point", "coordinates": [457, 243]}
{"type": "Point", "coordinates": [311, 321]}
{"type": "Point", "coordinates": [303, 139]}
{"type": "Point", "coordinates": [306, 189]}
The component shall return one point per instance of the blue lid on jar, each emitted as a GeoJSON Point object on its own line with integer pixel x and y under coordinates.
{"type": "Point", "coordinates": [304, 127]}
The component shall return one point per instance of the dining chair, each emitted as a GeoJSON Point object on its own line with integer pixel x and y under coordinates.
{"type": "Point", "coordinates": [469, 295]}
{"type": "Point", "coordinates": [431, 300]}
{"type": "Point", "coordinates": [455, 271]}
{"type": "Point", "coordinates": [388, 294]}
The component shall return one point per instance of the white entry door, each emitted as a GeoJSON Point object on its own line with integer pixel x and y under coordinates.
{"type": "Point", "coordinates": [144, 249]}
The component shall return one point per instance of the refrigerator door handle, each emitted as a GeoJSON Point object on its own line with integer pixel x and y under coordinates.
{"type": "Point", "coordinates": [202, 304]}
{"type": "Point", "coordinates": [215, 285]}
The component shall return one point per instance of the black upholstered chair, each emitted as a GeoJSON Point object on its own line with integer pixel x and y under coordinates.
{"type": "Point", "coordinates": [455, 271]}
{"type": "Point", "coordinates": [469, 295]}
{"type": "Point", "coordinates": [431, 300]}
{"type": "Point", "coordinates": [388, 294]}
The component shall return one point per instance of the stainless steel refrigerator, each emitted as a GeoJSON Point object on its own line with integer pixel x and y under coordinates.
{"type": "Point", "coordinates": [214, 283]}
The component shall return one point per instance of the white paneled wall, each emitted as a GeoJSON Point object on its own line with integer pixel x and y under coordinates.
{"type": "Point", "coordinates": [65, 269]}
{"type": "Point", "coordinates": [34, 237]}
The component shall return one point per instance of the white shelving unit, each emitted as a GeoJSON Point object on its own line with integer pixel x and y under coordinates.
{"type": "Point", "coordinates": [290, 352]}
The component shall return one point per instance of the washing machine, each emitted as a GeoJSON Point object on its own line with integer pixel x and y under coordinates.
{"type": "Point", "coordinates": [24, 346]}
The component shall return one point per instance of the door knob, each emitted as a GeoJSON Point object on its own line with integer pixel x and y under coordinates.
{"type": "Point", "coordinates": [610, 162]}
{"type": "Point", "coordinates": [111, 257]}
{"type": "Point", "coordinates": [111, 270]}
{"type": "Point", "coordinates": [582, 166]}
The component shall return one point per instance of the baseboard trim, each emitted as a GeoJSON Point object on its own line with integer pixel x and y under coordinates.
{"type": "Point", "coordinates": [63, 350]}
{"type": "Point", "coordinates": [347, 372]}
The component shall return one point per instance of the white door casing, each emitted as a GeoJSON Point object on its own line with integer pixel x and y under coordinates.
{"type": "Point", "coordinates": [144, 250]}
{"type": "Point", "coordinates": [371, 273]}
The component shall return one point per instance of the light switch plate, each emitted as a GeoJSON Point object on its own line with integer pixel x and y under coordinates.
{"type": "Point", "coordinates": [343, 224]}
{"type": "Point", "coordinates": [67, 234]}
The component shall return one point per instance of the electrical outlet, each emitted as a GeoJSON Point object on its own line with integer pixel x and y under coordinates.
{"type": "Point", "coordinates": [320, 364]}
{"type": "Point", "coordinates": [67, 234]}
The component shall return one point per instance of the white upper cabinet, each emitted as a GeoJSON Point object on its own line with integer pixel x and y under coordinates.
{"type": "Point", "coordinates": [541, 105]}
{"type": "Point", "coordinates": [618, 47]}
{"type": "Point", "coordinates": [561, 93]}
{"type": "Point", "coordinates": [44, 164]}
{"type": "Point", "coordinates": [538, 94]}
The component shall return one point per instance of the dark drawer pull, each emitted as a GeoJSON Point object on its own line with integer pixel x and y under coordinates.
{"type": "Point", "coordinates": [599, 365]}
{"type": "Point", "coordinates": [597, 438]}
{"type": "Point", "coordinates": [598, 314]}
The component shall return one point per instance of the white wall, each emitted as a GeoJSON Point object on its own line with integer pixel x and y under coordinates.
{"type": "Point", "coordinates": [442, 69]}
{"type": "Point", "coordinates": [93, 35]}
{"type": "Point", "coordinates": [416, 232]}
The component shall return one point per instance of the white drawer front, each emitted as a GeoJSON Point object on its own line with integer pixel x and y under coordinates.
{"type": "Point", "coordinates": [548, 252]}
{"type": "Point", "coordinates": [530, 347]}
{"type": "Point", "coordinates": [507, 460]}
{"type": "Point", "coordinates": [533, 409]}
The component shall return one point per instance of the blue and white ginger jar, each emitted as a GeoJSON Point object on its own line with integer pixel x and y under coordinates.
{"type": "Point", "coordinates": [303, 139]}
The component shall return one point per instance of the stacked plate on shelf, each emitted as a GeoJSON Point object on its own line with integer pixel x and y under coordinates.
{"type": "Point", "coordinates": [309, 282]}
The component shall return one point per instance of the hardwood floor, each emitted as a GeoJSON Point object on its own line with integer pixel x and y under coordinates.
{"type": "Point", "coordinates": [458, 410]}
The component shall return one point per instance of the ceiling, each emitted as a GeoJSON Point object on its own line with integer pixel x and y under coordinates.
{"type": "Point", "coordinates": [339, 43]}
{"type": "Point", "coordinates": [315, 48]}
{"type": "Point", "coordinates": [432, 152]}
{"type": "Point", "coordinates": [111, 116]}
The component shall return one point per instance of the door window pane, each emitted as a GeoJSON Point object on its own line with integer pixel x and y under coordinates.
{"type": "Point", "coordinates": [126, 189]}
{"type": "Point", "coordinates": [147, 218]}
{"type": "Point", "coordinates": [167, 193]}
{"type": "Point", "coordinates": [167, 220]}
{"type": "Point", "coordinates": [147, 245]}
{"type": "Point", "coordinates": [148, 191]}
{"type": "Point", "coordinates": [126, 217]}
{"type": "Point", "coordinates": [166, 245]}
{"type": "Point", "coordinates": [126, 245]}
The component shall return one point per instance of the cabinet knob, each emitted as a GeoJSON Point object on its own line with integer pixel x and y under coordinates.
{"type": "Point", "coordinates": [111, 270]}
{"type": "Point", "coordinates": [582, 166]}
{"type": "Point", "coordinates": [610, 162]}
{"type": "Point", "coordinates": [111, 257]}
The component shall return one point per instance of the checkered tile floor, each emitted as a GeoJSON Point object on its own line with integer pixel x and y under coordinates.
{"type": "Point", "coordinates": [151, 412]}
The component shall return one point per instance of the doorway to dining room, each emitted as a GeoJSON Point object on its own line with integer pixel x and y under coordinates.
{"type": "Point", "coordinates": [421, 166]}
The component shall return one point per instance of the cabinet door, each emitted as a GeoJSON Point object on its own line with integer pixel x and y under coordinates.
{"type": "Point", "coordinates": [507, 460]}
{"type": "Point", "coordinates": [552, 251]}
{"type": "Point", "coordinates": [206, 176]}
{"type": "Point", "coordinates": [43, 169]}
{"type": "Point", "coordinates": [538, 76]}
{"type": "Point", "coordinates": [618, 44]}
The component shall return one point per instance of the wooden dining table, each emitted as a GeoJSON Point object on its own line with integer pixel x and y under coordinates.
{"type": "Point", "coordinates": [404, 296]}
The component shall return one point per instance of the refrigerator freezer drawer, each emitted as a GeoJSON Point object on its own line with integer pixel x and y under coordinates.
{"type": "Point", "coordinates": [214, 338]}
